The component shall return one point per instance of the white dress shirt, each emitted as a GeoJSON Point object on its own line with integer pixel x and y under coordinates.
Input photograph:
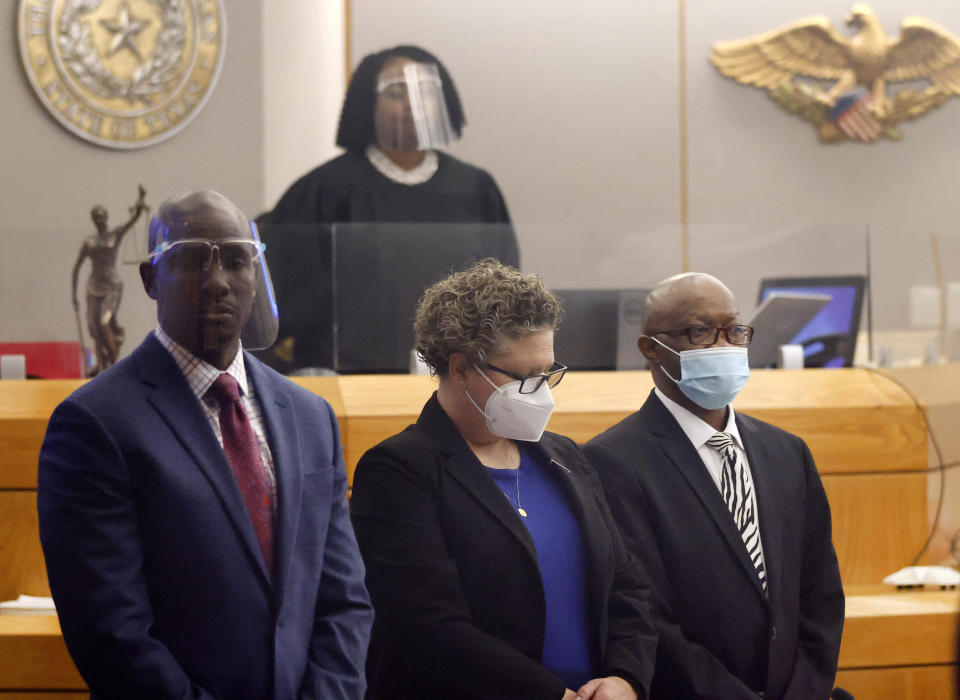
{"type": "Point", "coordinates": [698, 432]}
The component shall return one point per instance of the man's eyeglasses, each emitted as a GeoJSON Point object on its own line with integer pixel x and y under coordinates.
{"type": "Point", "coordinates": [196, 254]}
{"type": "Point", "coordinates": [736, 334]}
{"type": "Point", "coordinates": [530, 384]}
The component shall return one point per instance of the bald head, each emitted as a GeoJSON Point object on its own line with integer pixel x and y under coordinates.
{"type": "Point", "coordinates": [203, 302]}
{"type": "Point", "coordinates": [197, 215]}
{"type": "Point", "coordinates": [690, 298]}
{"type": "Point", "coordinates": [682, 302]}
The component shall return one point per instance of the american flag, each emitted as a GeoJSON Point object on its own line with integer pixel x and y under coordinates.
{"type": "Point", "coordinates": [851, 115]}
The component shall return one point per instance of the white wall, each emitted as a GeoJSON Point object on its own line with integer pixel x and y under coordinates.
{"type": "Point", "coordinates": [49, 180]}
{"type": "Point", "coordinates": [574, 109]}
{"type": "Point", "coordinates": [755, 166]}
{"type": "Point", "coordinates": [304, 82]}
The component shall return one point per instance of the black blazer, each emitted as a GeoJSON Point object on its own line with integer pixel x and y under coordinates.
{"type": "Point", "coordinates": [719, 637]}
{"type": "Point", "coordinates": [453, 573]}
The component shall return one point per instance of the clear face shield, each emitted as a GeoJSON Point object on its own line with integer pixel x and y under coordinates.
{"type": "Point", "coordinates": [411, 113]}
{"type": "Point", "coordinates": [239, 257]}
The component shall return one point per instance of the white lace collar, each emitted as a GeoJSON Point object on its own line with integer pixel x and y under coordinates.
{"type": "Point", "coordinates": [386, 167]}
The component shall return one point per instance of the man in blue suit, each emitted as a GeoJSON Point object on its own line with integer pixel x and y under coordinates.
{"type": "Point", "coordinates": [192, 501]}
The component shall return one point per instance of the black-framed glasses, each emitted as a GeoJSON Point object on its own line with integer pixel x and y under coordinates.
{"type": "Point", "coordinates": [530, 384]}
{"type": "Point", "coordinates": [737, 334]}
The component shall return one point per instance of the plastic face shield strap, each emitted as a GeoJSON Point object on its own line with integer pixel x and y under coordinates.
{"type": "Point", "coordinates": [261, 329]}
{"type": "Point", "coordinates": [421, 89]}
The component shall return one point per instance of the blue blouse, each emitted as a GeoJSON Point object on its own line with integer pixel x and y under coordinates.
{"type": "Point", "coordinates": [560, 554]}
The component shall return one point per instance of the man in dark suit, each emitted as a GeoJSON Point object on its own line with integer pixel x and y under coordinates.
{"type": "Point", "coordinates": [727, 514]}
{"type": "Point", "coordinates": [192, 502]}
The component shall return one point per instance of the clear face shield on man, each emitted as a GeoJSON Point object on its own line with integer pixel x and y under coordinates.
{"type": "Point", "coordinates": [411, 112]}
{"type": "Point", "coordinates": [240, 257]}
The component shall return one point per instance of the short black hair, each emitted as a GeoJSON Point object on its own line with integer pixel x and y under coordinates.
{"type": "Point", "coordinates": [356, 130]}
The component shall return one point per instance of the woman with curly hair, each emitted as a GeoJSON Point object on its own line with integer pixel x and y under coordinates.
{"type": "Point", "coordinates": [492, 560]}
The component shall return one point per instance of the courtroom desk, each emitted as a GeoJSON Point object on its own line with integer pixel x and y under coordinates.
{"type": "Point", "coordinates": [900, 645]}
{"type": "Point", "coordinates": [896, 645]}
{"type": "Point", "coordinates": [866, 434]}
{"type": "Point", "coordinates": [34, 658]}
{"type": "Point", "coordinates": [868, 438]}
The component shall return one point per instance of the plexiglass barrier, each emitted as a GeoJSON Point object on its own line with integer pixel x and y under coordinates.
{"type": "Point", "coordinates": [347, 292]}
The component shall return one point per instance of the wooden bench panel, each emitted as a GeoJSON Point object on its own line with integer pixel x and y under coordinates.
{"type": "Point", "coordinates": [22, 569]}
{"type": "Point", "coordinates": [17, 695]}
{"type": "Point", "coordinates": [879, 522]}
{"type": "Point", "coordinates": [885, 627]}
{"type": "Point", "coordinates": [906, 683]}
{"type": "Point", "coordinates": [34, 656]}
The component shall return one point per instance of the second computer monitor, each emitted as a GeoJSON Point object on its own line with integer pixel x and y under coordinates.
{"type": "Point", "coordinates": [830, 338]}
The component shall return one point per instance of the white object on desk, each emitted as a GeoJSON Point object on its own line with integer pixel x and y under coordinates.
{"type": "Point", "coordinates": [13, 366]}
{"type": "Point", "coordinates": [790, 357]}
{"type": "Point", "coordinates": [924, 575]}
{"type": "Point", "coordinates": [28, 605]}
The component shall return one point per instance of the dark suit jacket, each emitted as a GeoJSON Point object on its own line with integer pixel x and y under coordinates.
{"type": "Point", "coordinates": [155, 569]}
{"type": "Point", "coordinates": [454, 577]}
{"type": "Point", "coordinates": [719, 637]}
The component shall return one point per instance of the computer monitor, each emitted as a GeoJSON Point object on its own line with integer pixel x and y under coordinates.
{"type": "Point", "coordinates": [778, 320]}
{"type": "Point", "coordinates": [829, 340]}
{"type": "Point", "coordinates": [600, 328]}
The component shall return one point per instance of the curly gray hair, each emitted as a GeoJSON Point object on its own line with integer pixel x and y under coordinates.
{"type": "Point", "coordinates": [472, 311]}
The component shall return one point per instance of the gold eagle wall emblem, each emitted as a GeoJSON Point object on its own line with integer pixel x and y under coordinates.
{"type": "Point", "coordinates": [860, 104]}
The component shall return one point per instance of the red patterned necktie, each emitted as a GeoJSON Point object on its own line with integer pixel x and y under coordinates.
{"type": "Point", "coordinates": [243, 452]}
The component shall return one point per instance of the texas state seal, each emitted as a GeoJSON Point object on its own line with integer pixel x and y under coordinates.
{"type": "Point", "coordinates": [122, 73]}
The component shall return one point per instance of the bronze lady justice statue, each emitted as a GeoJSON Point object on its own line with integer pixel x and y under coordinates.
{"type": "Point", "coordinates": [104, 286]}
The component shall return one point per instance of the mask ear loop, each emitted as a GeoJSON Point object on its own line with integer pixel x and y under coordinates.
{"type": "Point", "coordinates": [661, 367]}
{"type": "Point", "coordinates": [470, 398]}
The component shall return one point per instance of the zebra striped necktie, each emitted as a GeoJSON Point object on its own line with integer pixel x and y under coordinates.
{"type": "Point", "coordinates": [737, 492]}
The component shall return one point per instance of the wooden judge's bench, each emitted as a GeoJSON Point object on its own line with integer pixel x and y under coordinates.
{"type": "Point", "coordinates": [868, 433]}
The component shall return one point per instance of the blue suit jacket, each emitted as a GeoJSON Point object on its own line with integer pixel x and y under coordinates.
{"type": "Point", "coordinates": [153, 562]}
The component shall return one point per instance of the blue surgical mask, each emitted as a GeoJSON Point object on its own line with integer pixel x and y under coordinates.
{"type": "Point", "coordinates": [711, 377]}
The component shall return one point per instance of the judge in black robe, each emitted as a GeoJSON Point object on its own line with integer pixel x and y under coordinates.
{"type": "Point", "coordinates": [382, 177]}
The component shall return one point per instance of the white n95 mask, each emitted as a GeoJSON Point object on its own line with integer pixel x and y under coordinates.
{"type": "Point", "coordinates": [515, 416]}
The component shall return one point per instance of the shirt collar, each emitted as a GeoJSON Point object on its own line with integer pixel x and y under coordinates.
{"type": "Point", "coordinates": [417, 175]}
{"type": "Point", "coordinates": [199, 373]}
{"type": "Point", "coordinates": [694, 427]}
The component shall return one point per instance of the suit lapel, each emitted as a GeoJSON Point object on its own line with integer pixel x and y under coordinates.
{"type": "Point", "coordinates": [467, 469]}
{"type": "Point", "coordinates": [592, 531]}
{"type": "Point", "coordinates": [171, 396]}
{"type": "Point", "coordinates": [763, 470]}
{"type": "Point", "coordinates": [460, 462]}
{"type": "Point", "coordinates": [283, 435]}
{"type": "Point", "coordinates": [684, 458]}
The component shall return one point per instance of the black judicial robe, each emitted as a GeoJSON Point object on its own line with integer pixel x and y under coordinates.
{"type": "Point", "coordinates": [349, 189]}
{"type": "Point", "coordinates": [380, 293]}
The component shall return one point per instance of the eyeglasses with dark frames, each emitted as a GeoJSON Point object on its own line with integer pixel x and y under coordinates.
{"type": "Point", "coordinates": [736, 334]}
{"type": "Point", "coordinates": [529, 385]}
